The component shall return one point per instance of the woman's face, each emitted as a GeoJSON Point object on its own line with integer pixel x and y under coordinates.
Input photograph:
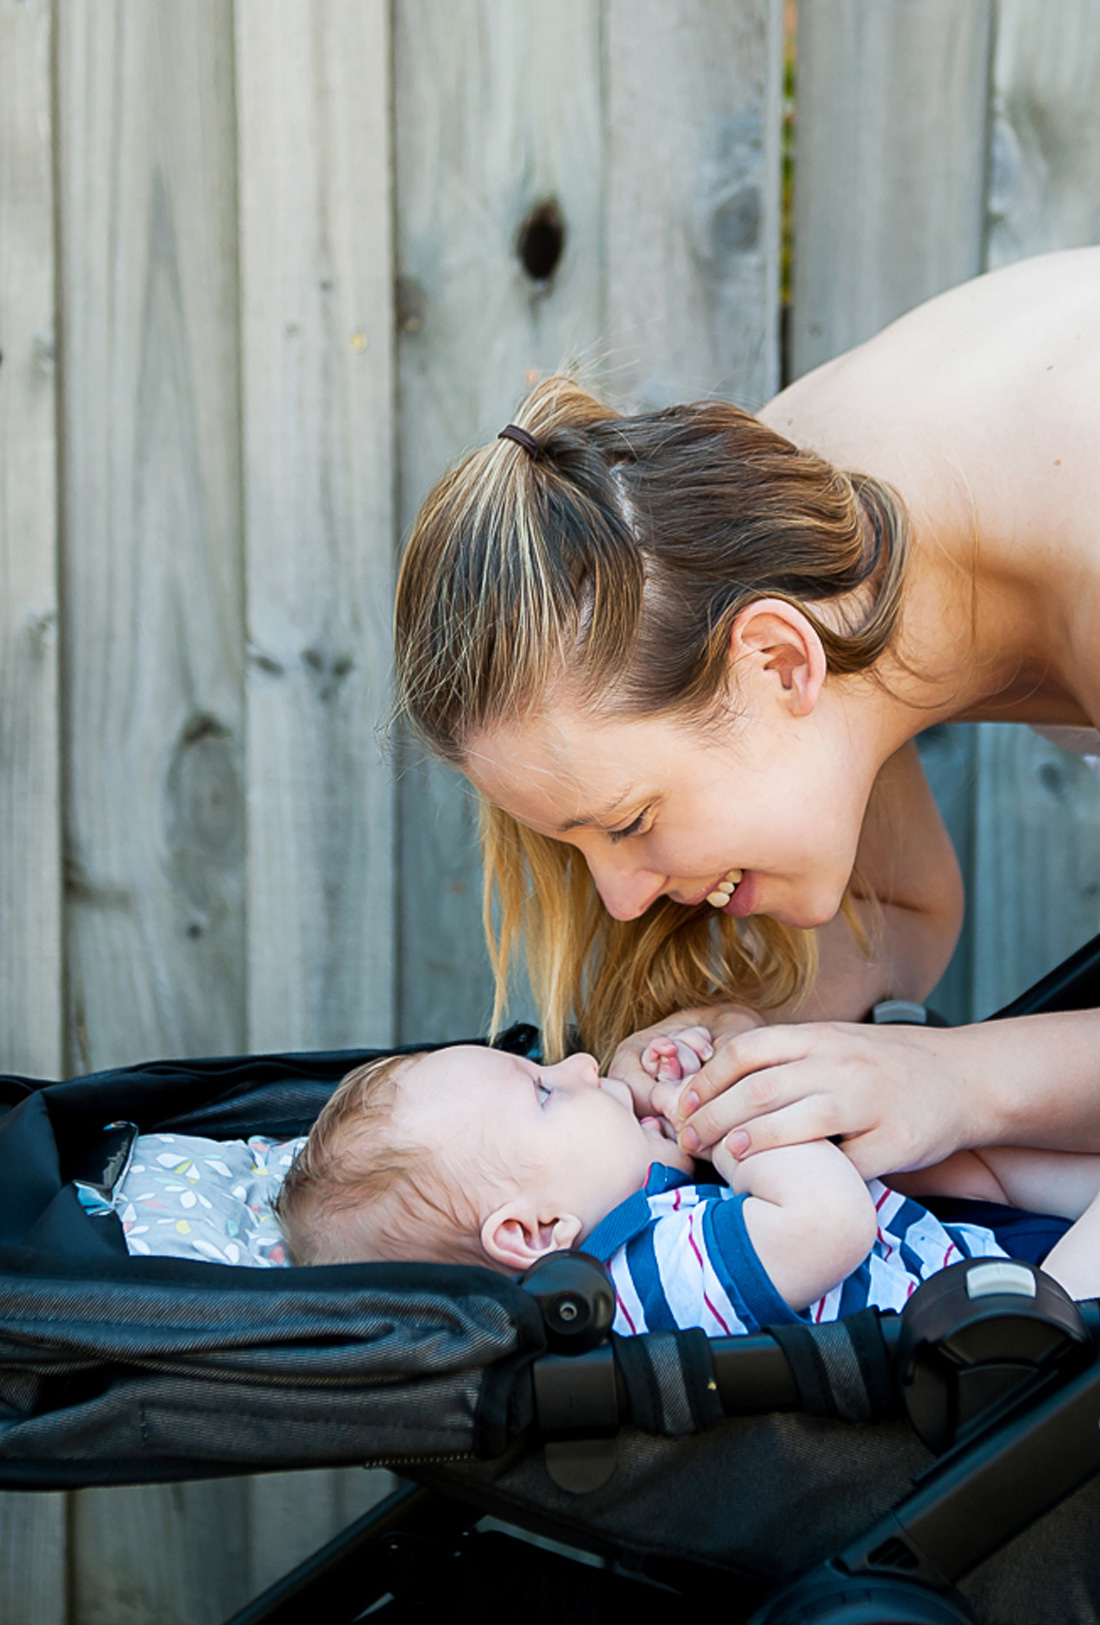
{"type": "Point", "coordinates": [664, 808]}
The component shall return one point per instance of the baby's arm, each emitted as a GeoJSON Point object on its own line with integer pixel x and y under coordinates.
{"type": "Point", "coordinates": [809, 1215]}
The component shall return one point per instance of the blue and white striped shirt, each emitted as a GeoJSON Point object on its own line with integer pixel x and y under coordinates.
{"type": "Point", "coordinates": [680, 1256]}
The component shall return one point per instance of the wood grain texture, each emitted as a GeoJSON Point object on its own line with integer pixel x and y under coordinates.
{"type": "Point", "coordinates": [890, 171]}
{"type": "Point", "coordinates": [498, 111]}
{"type": "Point", "coordinates": [1044, 190]}
{"type": "Point", "coordinates": [1036, 884]}
{"type": "Point", "coordinates": [32, 1528]}
{"type": "Point", "coordinates": [151, 535]}
{"type": "Point", "coordinates": [30, 812]}
{"type": "Point", "coordinates": [693, 198]}
{"type": "Point", "coordinates": [317, 326]}
{"type": "Point", "coordinates": [294, 1514]}
{"type": "Point", "coordinates": [174, 1554]}
{"type": "Point", "coordinates": [153, 647]}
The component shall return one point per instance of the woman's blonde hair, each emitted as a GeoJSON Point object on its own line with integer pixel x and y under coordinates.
{"type": "Point", "coordinates": [617, 559]}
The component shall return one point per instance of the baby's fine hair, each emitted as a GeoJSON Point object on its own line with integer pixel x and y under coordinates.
{"type": "Point", "coordinates": [361, 1192]}
{"type": "Point", "coordinates": [608, 568]}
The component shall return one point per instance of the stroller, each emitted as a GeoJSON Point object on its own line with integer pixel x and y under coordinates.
{"type": "Point", "coordinates": [930, 1468]}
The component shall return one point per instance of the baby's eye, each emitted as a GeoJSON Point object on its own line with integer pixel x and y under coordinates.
{"type": "Point", "coordinates": [541, 1091]}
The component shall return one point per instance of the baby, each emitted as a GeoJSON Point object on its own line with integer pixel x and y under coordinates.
{"type": "Point", "coordinates": [472, 1155]}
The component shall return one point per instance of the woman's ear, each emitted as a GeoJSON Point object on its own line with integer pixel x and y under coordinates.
{"type": "Point", "coordinates": [780, 642]}
{"type": "Point", "coordinates": [514, 1237]}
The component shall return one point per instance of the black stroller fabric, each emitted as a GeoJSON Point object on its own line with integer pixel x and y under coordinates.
{"type": "Point", "coordinates": [123, 1370]}
{"type": "Point", "coordinates": [118, 1370]}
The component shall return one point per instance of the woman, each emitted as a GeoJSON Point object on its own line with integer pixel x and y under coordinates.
{"type": "Point", "coordinates": [684, 657]}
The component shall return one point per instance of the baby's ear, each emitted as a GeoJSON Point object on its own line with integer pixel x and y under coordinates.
{"type": "Point", "coordinates": [515, 1238]}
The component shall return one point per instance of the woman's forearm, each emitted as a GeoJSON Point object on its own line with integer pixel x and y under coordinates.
{"type": "Point", "coordinates": [901, 1097]}
{"type": "Point", "coordinates": [1037, 1079]}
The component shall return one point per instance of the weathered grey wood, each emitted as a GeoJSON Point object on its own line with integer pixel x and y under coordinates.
{"type": "Point", "coordinates": [294, 1514]}
{"type": "Point", "coordinates": [153, 574]}
{"type": "Point", "coordinates": [890, 162]}
{"type": "Point", "coordinates": [32, 1528]}
{"type": "Point", "coordinates": [317, 362]}
{"type": "Point", "coordinates": [171, 1554]}
{"type": "Point", "coordinates": [1036, 893]}
{"type": "Point", "coordinates": [1045, 172]}
{"type": "Point", "coordinates": [498, 109]}
{"type": "Point", "coordinates": [317, 327]}
{"type": "Point", "coordinates": [30, 814]}
{"type": "Point", "coordinates": [152, 530]}
{"type": "Point", "coordinates": [694, 107]}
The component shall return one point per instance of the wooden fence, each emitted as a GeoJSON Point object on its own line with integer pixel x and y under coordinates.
{"type": "Point", "coordinates": [266, 266]}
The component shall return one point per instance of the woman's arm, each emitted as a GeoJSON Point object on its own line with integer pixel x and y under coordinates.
{"type": "Point", "coordinates": [809, 1216]}
{"type": "Point", "coordinates": [902, 1097]}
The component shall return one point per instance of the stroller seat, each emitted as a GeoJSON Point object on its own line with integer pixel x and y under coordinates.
{"type": "Point", "coordinates": [700, 1471]}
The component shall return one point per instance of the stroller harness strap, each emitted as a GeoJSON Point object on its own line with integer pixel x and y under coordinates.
{"type": "Point", "coordinates": [842, 1369]}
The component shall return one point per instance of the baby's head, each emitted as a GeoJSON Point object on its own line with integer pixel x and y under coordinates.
{"type": "Point", "coordinates": [466, 1155]}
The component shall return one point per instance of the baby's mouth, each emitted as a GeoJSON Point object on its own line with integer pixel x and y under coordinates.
{"type": "Point", "coordinates": [725, 888]}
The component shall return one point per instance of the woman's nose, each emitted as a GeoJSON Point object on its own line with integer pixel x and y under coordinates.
{"type": "Point", "coordinates": [626, 893]}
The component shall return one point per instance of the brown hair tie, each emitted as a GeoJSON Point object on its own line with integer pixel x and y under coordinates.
{"type": "Point", "coordinates": [512, 431]}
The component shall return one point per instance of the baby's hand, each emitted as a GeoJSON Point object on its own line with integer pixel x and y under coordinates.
{"type": "Point", "coordinates": [675, 1056]}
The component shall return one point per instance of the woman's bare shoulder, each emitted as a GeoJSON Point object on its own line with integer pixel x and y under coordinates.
{"type": "Point", "coordinates": [975, 359]}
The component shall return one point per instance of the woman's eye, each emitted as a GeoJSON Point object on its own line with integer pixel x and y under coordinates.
{"type": "Point", "coordinates": [633, 828]}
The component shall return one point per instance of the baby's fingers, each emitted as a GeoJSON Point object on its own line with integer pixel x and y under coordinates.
{"type": "Point", "coordinates": [656, 1055]}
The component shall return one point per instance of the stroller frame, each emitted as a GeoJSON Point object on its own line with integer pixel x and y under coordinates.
{"type": "Point", "coordinates": [1014, 1416]}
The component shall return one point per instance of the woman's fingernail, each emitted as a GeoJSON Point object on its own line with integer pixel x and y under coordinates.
{"type": "Point", "coordinates": [690, 1141]}
{"type": "Point", "coordinates": [737, 1144]}
{"type": "Point", "coordinates": [690, 1103]}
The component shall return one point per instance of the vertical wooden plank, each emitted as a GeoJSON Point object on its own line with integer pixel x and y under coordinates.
{"type": "Point", "coordinates": [1045, 163]}
{"type": "Point", "coordinates": [317, 357]}
{"type": "Point", "coordinates": [1037, 861]}
{"type": "Point", "coordinates": [152, 556]}
{"type": "Point", "coordinates": [152, 575]}
{"type": "Point", "coordinates": [694, 105]}
{"type": "Point", "coordinates": [175, 1554]}
{"type": "Point", "coordinates": [30, 833]}
{"type": "Point", "coordinates": [294, 1514]}
{"type": "Point", "coordinates": [890, 161]}
{"type": "Point", "coordinates": [32, 1528]}
{"type": "Point", "coordinates": [318, 383]}
{"type": "Point", "coordinates": [498, 112]}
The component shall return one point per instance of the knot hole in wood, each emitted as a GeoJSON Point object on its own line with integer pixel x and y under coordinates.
{"type": "Point", "coordinates": [541, 241]}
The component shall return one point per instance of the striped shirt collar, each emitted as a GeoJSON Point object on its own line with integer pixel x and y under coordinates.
{"type": "Point", "coordinates": [630, 1218]}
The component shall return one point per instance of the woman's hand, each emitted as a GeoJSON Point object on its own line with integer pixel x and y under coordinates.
{"type": "Point", "coordinates": [634, 1059]}
{"type": "Point", "coordinates": [894, 1097]}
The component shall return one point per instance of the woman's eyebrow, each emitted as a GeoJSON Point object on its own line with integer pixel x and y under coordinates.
{"type": "Point", "coordinates": [599, 815]}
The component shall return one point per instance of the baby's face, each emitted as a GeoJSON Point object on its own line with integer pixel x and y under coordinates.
{"type": "Point", "coordinates": [565, 1133]}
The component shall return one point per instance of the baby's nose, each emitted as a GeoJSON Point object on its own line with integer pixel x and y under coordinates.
{"type": "Point", "coordinates": [582, 1071]}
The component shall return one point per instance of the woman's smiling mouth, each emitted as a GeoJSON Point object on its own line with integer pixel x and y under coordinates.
{"type": "Point", "coordinates": [725, 888]}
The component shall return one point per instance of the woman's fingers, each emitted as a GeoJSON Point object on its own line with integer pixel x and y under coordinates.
{"type": "Point", "coordinates": [893, 1098]}
{"type": "Point", "coordinates": [744, 1079]}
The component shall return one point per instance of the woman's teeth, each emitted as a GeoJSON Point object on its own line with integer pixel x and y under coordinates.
{"type": "Point", "coordinates": [725, 888]}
